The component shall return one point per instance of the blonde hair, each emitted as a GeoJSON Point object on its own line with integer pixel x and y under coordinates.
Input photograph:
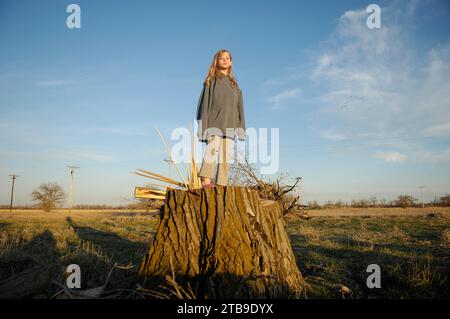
{"type": "Point", "coordinates": [215, 72]}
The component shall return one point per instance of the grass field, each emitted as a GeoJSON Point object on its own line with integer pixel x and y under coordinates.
{"type": "Point", "coordinates": [333, 249]}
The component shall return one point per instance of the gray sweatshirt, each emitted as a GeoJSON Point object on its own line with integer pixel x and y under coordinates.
{"type": "Point", "coordinates": [220, 106]}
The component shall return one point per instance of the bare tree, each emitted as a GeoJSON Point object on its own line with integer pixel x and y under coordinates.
{"type": "Point", "coordinates": [362, 203]}
{"type": "Point", "coordinates": [339, 204]}
{"type": "Point", "coordinates": [405, 201]}
{"type": "Point", "coordinates": [445, 200]}
{"type": "Point", "coordinates": [329, 204]}
{"type": "Point", "coordinates": [49, 196]}
{"type": "Point", "coordinates": [373, 201]}
{"type": "Point", "coordinates": [314, 204]}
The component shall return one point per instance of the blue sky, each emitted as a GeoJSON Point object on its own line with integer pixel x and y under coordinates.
{"type": "Point", "coordinates": [361, 111]}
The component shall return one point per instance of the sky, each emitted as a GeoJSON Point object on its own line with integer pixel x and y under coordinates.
{"type": "Point", "coordinates": [361, 112]}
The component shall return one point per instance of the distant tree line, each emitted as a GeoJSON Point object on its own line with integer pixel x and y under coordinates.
{"type": "Point", "coordinates": [401, 201]}
{"type": "Point", "coordinates": [152, 204]}
{"type": "Point", "coordinates": [50, 196]}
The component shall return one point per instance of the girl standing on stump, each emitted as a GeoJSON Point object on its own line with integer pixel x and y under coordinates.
{"type": "Point", "coordinates": [220, 116]}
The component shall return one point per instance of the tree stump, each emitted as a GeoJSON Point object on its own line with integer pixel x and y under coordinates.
{"type": "Point", "coordinates": [225, 242]}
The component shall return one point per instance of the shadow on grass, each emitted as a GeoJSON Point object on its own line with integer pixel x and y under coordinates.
{"type": "Point", "coordinates": [118, 248]}
{"type": "Point", "coordinates": [4, 225]}
{"type": "Point", "coordinates": [95, 252]}
{"type": "Point", "coordinates": [41, 250]}
{"type": "Point", "coordinates": [348, 266]}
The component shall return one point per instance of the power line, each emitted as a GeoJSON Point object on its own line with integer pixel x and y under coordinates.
{"type": "Point", "coordinates": [13, 177]}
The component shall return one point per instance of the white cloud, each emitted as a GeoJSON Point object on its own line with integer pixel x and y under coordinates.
{"type": "Point", "coordinates": [281, 98]}
{"type": "Point", "coordinates": [84, 156]}
{"type": "Point", "coordinates": [54, 83]}
{"type": "Point", "coordinates": [435, 157]}
{"type": "Point", "coordinates": [439, 129]}
{"type": "Point", "coordinates": [272, 82]}
{"type": "Point", "coordinates": [77, 155]}
{"type": "Point", "coordinates": [378, 90]}
{"type": "Point", "coordinates": [118, 131]}
{"type": "Point", "coordinates": [391, 156]}
{"type": "Point", "coordinates": [334, 136]}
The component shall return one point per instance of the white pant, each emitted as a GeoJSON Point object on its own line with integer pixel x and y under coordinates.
{"type": "Point", "coordinates": [223, 146]}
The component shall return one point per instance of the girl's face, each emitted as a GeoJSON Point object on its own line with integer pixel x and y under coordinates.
{"type": "Point", "coordinates": [224, 61]}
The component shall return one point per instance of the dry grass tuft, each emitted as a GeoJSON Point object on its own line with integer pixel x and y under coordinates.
{"type": "Point", "coordinates": [9, 241]}
{"type": "Point", "coordinates": [309, 233]}
{"type": "Point", "coordinates": [421, 274]}
{"type": "Point", "coordinates": [445, 237]}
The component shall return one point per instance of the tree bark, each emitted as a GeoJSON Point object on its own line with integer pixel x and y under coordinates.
{"type": "Point", "coordinates": [225, 242]}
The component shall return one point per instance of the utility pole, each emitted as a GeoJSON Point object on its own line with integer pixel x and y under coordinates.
{"type": "Point", "coordinates": [13, 177]}
{"type": "Point", "coordinates": [72, 170]}
{"type": "Point", "coordinates": [170, 166]}
{"type": "Point", "coordinates": [421, 194]}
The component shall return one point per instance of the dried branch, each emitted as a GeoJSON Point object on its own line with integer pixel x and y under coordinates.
{"type": "Point", "coordinates": [244, 173]}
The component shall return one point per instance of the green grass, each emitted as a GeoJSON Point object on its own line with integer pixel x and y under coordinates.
{"type": "Point", "coordinates": [412, 251]}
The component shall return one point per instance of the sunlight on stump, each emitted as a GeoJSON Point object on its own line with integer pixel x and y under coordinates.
{"type": "Point", "coordinates": [225, 242]}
